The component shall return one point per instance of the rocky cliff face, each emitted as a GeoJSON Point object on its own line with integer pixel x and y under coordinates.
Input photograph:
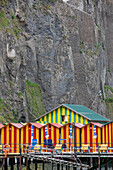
{"type": "Point", "coordinates": [52, 53]}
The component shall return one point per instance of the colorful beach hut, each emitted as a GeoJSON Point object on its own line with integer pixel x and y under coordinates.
{"type": "Point", "coordinates": [107, 135]}
{"type": "Point", "coordinates": [10, 134]}
{"type": "Point", "coordinates": [54, 132]}
{"type": "Point", "coordinates": [87, 135]}
{"type": "Point", "coordinates": [68, 113]}
{"type": "Point", "coordinates": [73, 142]}
{"type": "Point", "coordinates": [26, 134]}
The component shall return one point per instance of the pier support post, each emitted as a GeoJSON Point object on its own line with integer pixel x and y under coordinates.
{"type": "Point", "coordinates": [2, 163]}
{"type": "Point", "coordinates": [43, 166]}
{"type": "Point", "coordinates": [20, 162]}
{"type": "Point", "coordinates": [51, 165]}
{"type": "Point", "coordinates": [12, 163]}
{"type": "Point", "coordinates": [58, 166]}
{"type": "Point", "coordinates": [26, 163]}
{"type": "Point", "coordinates": [99, 165]}
{"type": "Point", "coordinates": [35, 165]}
{"type": "Point", "coordinates": [5, 163]}
{"type": "Point", "coordinates": [61, 166]}
{"type": "Point", "coordinates": [17, 163]}
{"type": "Point", "coordinates": [74, 168]}
{"type": "Point", "coordinates": [112, 163]}
{"type": "Point", "coordinates": [106, 167]}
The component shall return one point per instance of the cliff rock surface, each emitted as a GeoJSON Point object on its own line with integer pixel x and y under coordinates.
{"type": "Point", "coordinates": [53, 52]}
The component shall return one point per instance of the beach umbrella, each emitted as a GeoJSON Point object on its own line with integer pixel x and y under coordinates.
{"type": "Point", "coordinates": [95, 136]}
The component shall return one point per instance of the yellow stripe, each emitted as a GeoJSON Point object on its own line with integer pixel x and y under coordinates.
{"type": "Point", "coordinates": [103, 137]}
{"type": "Point", "coordinates": [62, 136]}
{"type": "Point", "coordinates": [63, 110]}
{"type": "Point", "coordinates": [37, 135]}
{"type": "Point", "coordinates": [49, 117]}
{"type": "Point", "coordinates": [12, 138]}
{"type": "Point", "coordinates": [99, 136]}
{"type": "Point", "coordinates": [42, 140]}
{"type": "Point", "coordinates": [82, 135]}
{"type": "Point", "coordinates": [40, 119]}
{"type": "Point", "coordinates": [110, 134]}
{"type": "Point", "coordinates": [76, 118]}
{"type": "Point", "coordinates": [54, 117]}
{"type": "Point", "coordinates": [67, 135]}
{"type": "Point", "coordinates": [22, 139]}
{"type": "Point", "coordinates": [68, 112]}
{"type": "Point", "coordinates": [81, 120]}
{"type": "Point", "coordinates": [86, 121]}
{"type": "Point", "coordinates": [58, 115]}
{"type": "Point", "coordinates": [27, 130]}
{"type": "Point", "coordinates": [17, 139]}
{"type": "Point", "coordinates": [72, 116]}
{"type": "Point", "coordinates": [45, 119]}
{"type": "Point", "coordinates": [7, 130]}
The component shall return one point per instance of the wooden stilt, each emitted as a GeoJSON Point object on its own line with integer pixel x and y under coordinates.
{"type": "Point", "coordinates": [2, 164]}
{"type": "Point", "coordinates": [112, 163]}
{"type": "Point", "coordinates": [106, 167]}
{"type": "Point", "coordinates": [26, 163]}
{"type": "Point", "coordinates": [35, 165]}
{"type": "Point", "coordinates": [51, 165]}
{"type": "Point", "coordinates": [43, 166]}
{"type": "Point", "coordinates": [29, 161]}
{"type": "Point", "coordinates": [5, 163]}
{"type": "Point", "coordinates": [17, 163]}
{"type": "Point", "coordinates": [12, 163]}
{"type": "Point", "coordinates": [74, 168]}
{"type": "Point", "coordinates": [61, 166]}
{"type": "Point", "coordinates": [20, 163]}
{"type": "Point", "coordinates": [99, 165]}
{"type": "Point", "coordinates": [58, 166]}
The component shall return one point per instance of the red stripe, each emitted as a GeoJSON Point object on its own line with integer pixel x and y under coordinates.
{"type": "Point", "coordinates": [91, 137]}
{"type": "Point", "coordinates": [15, 137]}
{"type": "Point", "coordinates": [10, 135]}
{"type": "Point", "coordinates": [24, 135]}
{"type": "Point", "coordinates": [75, 137]}
{"type": "Point", "coordinates": [108, 136]}
{"type": "Point", "coordinates": [105, 133]}
{"type": "Point", "coordinates": [29, 135]}
{"type": "Point", "coordinates": [112, 135]}
{"type": "Point", "coordinates": [34, 132]}
{"type": "Point", "coordinates": [97, 136]}
{"type": "Point", "coordinates": [55, 135]}
{"type": "Point", "coordinates": [5, 135]}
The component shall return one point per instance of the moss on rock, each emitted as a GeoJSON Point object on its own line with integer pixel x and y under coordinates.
{"type": "Point", "coordinates": [34, 99]}
{"type": "Point", "coordinates": [109, 100]}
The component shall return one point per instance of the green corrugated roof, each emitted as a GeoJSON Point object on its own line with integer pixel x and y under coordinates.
{"type": "Point", "coordinates": [84, 111]}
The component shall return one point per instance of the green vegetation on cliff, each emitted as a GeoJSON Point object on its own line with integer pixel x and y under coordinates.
{"type": "Point", "coordinates": [109, 100]}
{"type": "Point", "coordinates": [6, 113]}
{"type": "Point", "coordinates": [34, 99]}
